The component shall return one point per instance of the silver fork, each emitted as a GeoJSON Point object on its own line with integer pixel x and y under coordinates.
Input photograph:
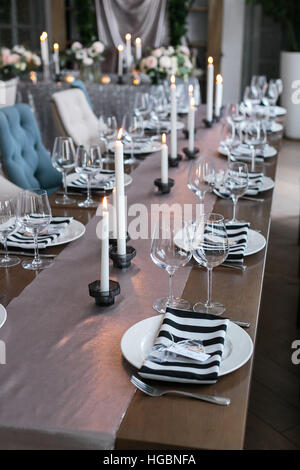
{"type": "Point", "coordinates": [157, 392]}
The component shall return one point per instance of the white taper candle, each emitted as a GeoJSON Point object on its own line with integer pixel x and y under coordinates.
{"type": "Point", "coordinates": [173, 118]}
{"type": "Point", "coordinates": [164, 160]}
{"type": "Point", "coordinates": [120, 194]}
{"type": "Point", "coordinates": [210, 90]}
{"type": "Point", "coordinates": [104, 277]}
{"type": "Point", "coordinates": [219, 95]}
{"type": "Point", "coordinates": [192, 125]}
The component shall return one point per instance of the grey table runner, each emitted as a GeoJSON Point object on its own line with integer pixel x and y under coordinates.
{"type": "Point", "coordinates": [65, 384]}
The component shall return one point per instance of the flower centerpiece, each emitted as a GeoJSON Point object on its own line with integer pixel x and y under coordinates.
{"type": "Point", "coordinates": [15, 62]}
{"type": "Point", "coordinates": [166, 61]}
{"type": "Point", "coordinates": [87, 58]}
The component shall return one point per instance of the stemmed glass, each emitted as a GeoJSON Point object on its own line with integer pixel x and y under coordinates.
{"type": "Point", "coordinates": [260, 82]}
{"type": "Point", "coordinates": [141, 104]}
{"type": "Point", "coordinates": [88, 164]}
{"type": "Point", "coordinates": [171, 250]}
{"type": "Point", "coordinates": [236, 182]}
{"type": "Point", "coordinates": [133, 129]}
{"type": "Point", "coordinates": [201, 178]}
{"type": "Point", "coordinates": [230, 136]}
{"type": "Point", "coordinates": [8, 224]}
{"type": "Point", "coordinates": [34, 216]}
{"type": "Point", "coordinates": [108, 129]}
{"type": "Point", "coordinates": [210, 248]}
{"type": "Point", "coordinates": [255, 137]}
{"type": "Point", "coordinates": [63, 159]}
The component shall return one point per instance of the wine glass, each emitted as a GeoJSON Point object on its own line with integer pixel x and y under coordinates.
{"type": "Point", "coordinates": [251, 98]}
{"type": "Point", "coordinates": [210, 248]}
{"type": "Point", "coordinates": [255, 137]}
{"type": "Point", "coordinates": [230, 137]}
{"type": "Point", "coordinates": [88, 164]}
{"type": "Point", "coordinates": [260, 82]}
{"type": "Point", "coordinates": [34, 216]}
{"type": "Point", "coordinates": [171, 250]}
{"type": "Point", "coordinates": [133, 129]}
{"type": "Point", "coordinates": [8, 224]}
{"type": "Point", "coordinates": [108, 129]}
{"type": "Point", "coordinates": [141, 104]}
{"type": "Point", "coordinates": [63, 159]}
{"type": "Point", "coordinates": [201, 178]}
{"type": "Point", "coordinates": [236, 182]}
{"type": "Point", "coordinates": [271, 95]}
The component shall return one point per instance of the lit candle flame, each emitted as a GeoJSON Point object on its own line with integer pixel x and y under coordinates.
{"type": "Point", "coordinates": [219, 79]}
{"type": "Point", "coordinates": [138, 41]}
{"type": "Point", "coordinates": [128, 37]}
{"type": "Point", "coordinates": [164, 138]}
{"type": "Point", "coordinates": [70, 79]}
{"type": "Point", "coordinates": [44, 36]}
{"type": "Point", "coordinates": [56, 46]}
{"type": "Point", "coordinates": [173, 79]}
{"type": "Point", "coordinates": [210, 60]}
{"type": "Point", "coordinates": [120, 133]}
{"type": "Point", "coordinates": [191, 90]}
{"type": "Point", "coordinates": [120, 48]}
{"type": "Point", "coordinates": [105, 203]}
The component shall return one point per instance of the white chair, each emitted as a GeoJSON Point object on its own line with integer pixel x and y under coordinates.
{"type": "Point", "coordinates": [74, 117]}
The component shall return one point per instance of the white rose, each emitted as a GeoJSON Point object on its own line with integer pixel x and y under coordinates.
{"type": "Point", "coordinates": [98, 47]}
{"type": "Point", "coordinates": [171, 50]}
{"type": "Point", "coordinates": [188, 63]}
{"type": "Point", "coordinates": [28, 56]}
{"type": "Point", "coordinates": [88, 61]}
{"type": "Point", "coordinates": [76, 46]}
{"type": "Point", "coordinates": [36, 60]}
{"type": "Point", "coordinates": [81, 54]}
{"type": "Point", "coordinates": [184, 50]}
{"type": "Point", "coordinates": [157, 52]}
{"type": "Point", "coordinates": [19, 50]}
{"type": "Point", "coordinates": [165, 62]}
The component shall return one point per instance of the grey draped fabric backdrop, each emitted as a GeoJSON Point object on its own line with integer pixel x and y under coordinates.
{"type": "Point", "coordinates": [142, 18]}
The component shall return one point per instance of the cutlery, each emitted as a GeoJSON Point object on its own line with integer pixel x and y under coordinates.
{"type": "Point", "coordinates": [24, 253]}
{"type": "Point", "coordinates": [246, 198]}
{"type": "Point", "coordinates": [242, 324]}
{"type": "Point", "coordinates": [157, 392]}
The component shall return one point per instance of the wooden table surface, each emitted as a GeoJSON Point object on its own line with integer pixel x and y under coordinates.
{"type": "Point", "coordinates": [171, 422]}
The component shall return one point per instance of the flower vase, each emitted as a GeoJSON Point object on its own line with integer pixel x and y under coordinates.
{"type": "Point", "coordinates": [86, 73]}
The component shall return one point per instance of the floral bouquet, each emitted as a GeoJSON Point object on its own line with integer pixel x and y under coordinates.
{"type": "Point", "coordinates": [16, 61]}
{"type": "Point", "coordinates": [166, 61]}
{"type": "Point", "coordinates": [86, 55]}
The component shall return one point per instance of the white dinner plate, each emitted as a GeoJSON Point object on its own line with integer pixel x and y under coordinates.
{"type": "Point", "coordinates": [3, 315]}
{"type": "Point", "coordinates": [256, 243]}
{"type": "Point", "coordinates": [138, 340]}
{"type": "Point", "coordinates": [268, 153]}
{"type": "Point", "coordinates": [275, 127]}
{"type": "Point", "coordinates": [74, 176]}
{"type": "Point", "coordinates": [279, 110]}
{"type": "Point", "coordinates": [165, 126]}
{"type": "Point", "coordinates": [140, 149]}
{"type": "Point", "coordinates": [69, 234]}
{"type": "Point", "coordinates": [267, 184]}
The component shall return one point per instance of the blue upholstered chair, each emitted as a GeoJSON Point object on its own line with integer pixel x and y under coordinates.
{"type": "Point", "coordinates": [26, 162]}
{"type": "Point", "coordinates": [79, 84]}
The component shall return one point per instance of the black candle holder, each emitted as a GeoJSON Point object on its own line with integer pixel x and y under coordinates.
{"type": "Point", "coordinates": [208, 124]}
{"type": "Point", "coordinates": [186, 133]}
{"type": "Point", "coordinates": [217, 118]}
{"type": "Point", "coordinates": [104, 299]}
{"type": "Point", "coordinates": [120, 80]}
{"type": "Point", "coordinates": [114, 241]}
{"type": "Point", "coordinates": [122, 261]}
{"type": "Point", "coordinates": [174, 162]}
{"type": "Point", "coordinates": [164, 188]}
{"type": "Point", "coordinates": [191, 155]}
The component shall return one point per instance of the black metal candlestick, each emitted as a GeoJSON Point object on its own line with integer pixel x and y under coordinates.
{"type": "Point", "coordinates": [104, 299]}
{"type": "Point", "coordinates": [190, 155]}
{"type": "Point", "coordinates": [122, 261]}
{"type": "Point", "coordinates": [114, 241]}
{"type": "Point", "coordinates": [208, 124]}
{"type": "Point", "coordinates": [164, 188]}
{"type": "Point", "coordinates": [174, 162]}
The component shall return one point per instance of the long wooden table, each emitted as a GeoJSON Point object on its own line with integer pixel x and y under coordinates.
{"type": "Point", "coordinates": [170, 422]}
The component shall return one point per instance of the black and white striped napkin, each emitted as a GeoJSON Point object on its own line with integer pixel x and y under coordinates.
{"type": "Point", "coordinates": [23, 240]}
{"type": "Point", "coordinates": [255, 181]}
{"type": "Point", "coordinates": [180, 325]}
{"type": "Point", "coordinates": [238, 239]}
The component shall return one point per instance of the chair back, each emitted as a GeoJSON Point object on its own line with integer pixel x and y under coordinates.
{"type": "Point", "coordinates": [74, 117]}
{"type": "Point", "coordinates": [26, 162]}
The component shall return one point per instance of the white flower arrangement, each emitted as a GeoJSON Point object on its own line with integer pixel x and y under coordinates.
{"type": "Point", "coordinates": [166, 61]}
{"type": "Point", "coordinates": [86, 55]}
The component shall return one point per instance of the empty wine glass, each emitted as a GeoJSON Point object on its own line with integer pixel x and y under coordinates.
{"type": "Point", "coordinates": [171, 250]}
{"type": "Point", "coordinates": [251, 98]}
{"type": "Point", "coordinates": [63, 159]}
{"type": "Point", "coordinates": [230, 137]}
{"type": "Point", "coordinates": [88, 164]}
{"type": "Point", "coordinates": [34, 216]}
{"type": "Point", "coordinates": [8, 224]}
{"type": "Point", "coordinates": [133, 130]}
{"type": "Point", "coordinates": [201, 178]}
{"type": "Point", "coordinates": [141, 104]}
{"type": "Point", "coordinates": [271, 95]}
{"type": "Point", "coordinates": [210, 248]}
{"type": "Point", "coordinates": [236, 182]}
{"type": "Point", "coordinates": [255, 137]}
{"type": "Point", "coordinates": [108, 129]}
{"type": "Point", "coordinates": [260, 83]}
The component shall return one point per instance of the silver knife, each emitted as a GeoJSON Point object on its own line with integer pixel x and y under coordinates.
{"type": "Point", "coordinates": [25, 253]}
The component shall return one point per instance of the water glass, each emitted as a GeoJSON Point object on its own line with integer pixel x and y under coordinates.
{"type": "Point", "coordinates": [63, 159]}
{"type": "Point", "coordinates": [8, 224]}
{"type": "Point", "coordinates": [236, 182]}
{"type": "Point", "coordinates": [88, 164]}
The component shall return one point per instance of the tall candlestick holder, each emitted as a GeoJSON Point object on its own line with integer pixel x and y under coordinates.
{"type": "Point", "coordinates": [186, 133]}
{"type": "Point", "coordinates": [164, 188]}
{"type": "Point", "coordinates": [208, 124]}
{"type": "Point", "coordinates": [104, 299]}
{"type": "Point", "coordinates": [120, 80]}
{"type": "Point", "coordinates": [114, 241]}
{"type": "Point", "coordinates": [174, 162]}
{"type": "Point", "coordinates": [190, 155]}
{"type": "Point", "coordinates": [122, 261]}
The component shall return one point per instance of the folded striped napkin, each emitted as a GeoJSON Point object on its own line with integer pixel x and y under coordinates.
{"type": "Point", "coordinates": [238, 239]}
{"type": "Point", "coordinates": [57, 225]}
{"type": "Point", "coordinates": [180, 325]}
{"type": "Point", "coordinates": [255, 184]}
{"type": "Point", "coordinates": [107, 182]}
